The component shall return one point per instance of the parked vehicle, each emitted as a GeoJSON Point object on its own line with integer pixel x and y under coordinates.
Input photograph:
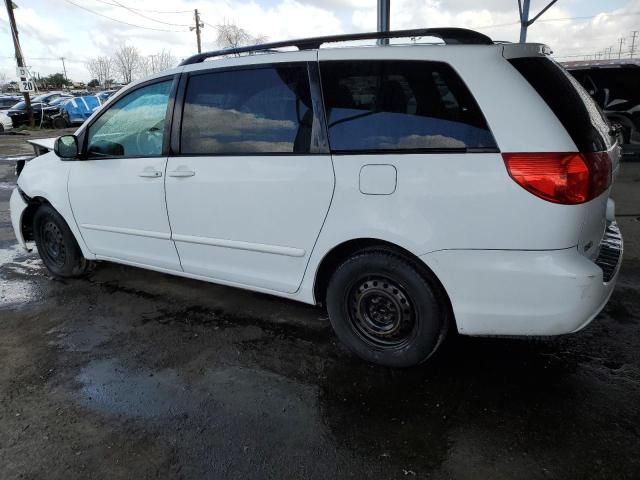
{"type": "Point", "coordinates": [79, 109]}
{"type": "Point", "coordinates": [18, 113]}
{"type": "Point", "coordinates": [615, 86]}
{"type": "Point", "coordinates": [105, 95]}
{"type": "Point", "coordinates": [6, 102]}
{"type": "Point", "coordinates": [392, 184]}
{"type": "Point", "coordinates": [5, 122]}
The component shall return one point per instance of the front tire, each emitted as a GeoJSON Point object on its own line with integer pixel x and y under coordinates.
{"type": "Point", "coordinates": [384, 310]}
{"type": "Point", "coordinates": [56, 244]}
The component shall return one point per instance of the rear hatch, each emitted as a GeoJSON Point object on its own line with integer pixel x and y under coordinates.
{"type": "Point", "coordinates": [589, 129]}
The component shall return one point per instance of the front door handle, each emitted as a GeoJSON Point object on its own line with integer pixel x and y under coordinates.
{"type": "Point", "coordinates": [181, 173]}
{"type": "Point", "coordinates": [150, 173]}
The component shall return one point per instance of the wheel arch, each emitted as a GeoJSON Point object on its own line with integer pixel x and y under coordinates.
{"type": "Point", "coordinates": [339, 253]}
{"type": "Point", "coordinates": [26, 222]}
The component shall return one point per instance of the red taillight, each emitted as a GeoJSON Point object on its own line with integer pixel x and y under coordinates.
{"type": "Point", "coordinates": [566, 178]}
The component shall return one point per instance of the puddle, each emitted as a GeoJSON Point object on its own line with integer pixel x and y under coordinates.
{"type": "Point", "coordinates": [112, 388]}
{"type": "Point", "coordinates": [15, 265]}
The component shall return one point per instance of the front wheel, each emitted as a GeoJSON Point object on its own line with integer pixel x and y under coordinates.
{"type": "Point", "coordinates": [385, 310]}
{"type": "Point", "coordinates": [56, 244]}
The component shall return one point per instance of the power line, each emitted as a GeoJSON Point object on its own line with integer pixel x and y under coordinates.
{"type": "Point", "coordinates": [133, 10]}
{"type": "Point", "coordinates": [120, 21]}
{"type": "Point", "coordinates": [143, 9]}
{"type": "Point", "coordinates": [561, 19]}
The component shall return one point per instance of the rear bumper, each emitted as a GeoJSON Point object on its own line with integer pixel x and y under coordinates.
{"type": "Point", "coordinates": [17, 206]}
{"type": "Point", "coordinates": [498, 292]}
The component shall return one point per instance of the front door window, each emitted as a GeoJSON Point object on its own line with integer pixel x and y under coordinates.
{"type": "Point", "coordinates": [133, 126]}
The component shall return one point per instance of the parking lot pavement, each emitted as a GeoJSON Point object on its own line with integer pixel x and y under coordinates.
{"type": "Point", "coordinates": [135, 374]}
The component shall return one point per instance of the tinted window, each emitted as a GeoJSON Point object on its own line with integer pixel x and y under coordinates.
{"type": "Point", "coordinates": [393, 105]}
{"type": "Point", "coordinates": [265, 110]}
{"type": "Point", "coordinates": [573, 106]}
{"type": "Point", "coordinates": [133, 125]}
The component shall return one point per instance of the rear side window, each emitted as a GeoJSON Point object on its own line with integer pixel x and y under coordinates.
{"type": "Point", "coordinates": [260, 111]}
{"type": "Point", "coordinates": [573, 106]}
{"type": "Point", "coordinates": [387, 106]}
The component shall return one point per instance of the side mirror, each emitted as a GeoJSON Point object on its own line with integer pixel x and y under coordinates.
{"type": "Point", "coordinates": [66, 147]}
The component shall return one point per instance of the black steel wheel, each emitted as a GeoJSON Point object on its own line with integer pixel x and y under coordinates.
{"type": "Point", "coordinates": [52, 243]}
{"type": "Point", "coordinates": [385, 310]}
{"type": "Point", "coordinates": [380, 312]}
{"type": "Point", "coordinates": [56, 244]}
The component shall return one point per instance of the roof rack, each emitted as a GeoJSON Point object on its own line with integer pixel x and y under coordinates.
{"type": "Point", "coordinates": [450, 36]}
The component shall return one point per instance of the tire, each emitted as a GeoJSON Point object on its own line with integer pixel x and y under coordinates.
{"type": "Point", "coordinates": [56, 244]}
{"type": "Point", "coordinates": [384, 310]}
{"type": "Point", "coordinates": [59, 122]}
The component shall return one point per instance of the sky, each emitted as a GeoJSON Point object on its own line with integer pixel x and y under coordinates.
{"type": "Point", "coordinates": [50, 29]}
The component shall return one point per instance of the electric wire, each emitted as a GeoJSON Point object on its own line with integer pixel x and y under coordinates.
{"type": "Point", "coordinates": [121, 21]}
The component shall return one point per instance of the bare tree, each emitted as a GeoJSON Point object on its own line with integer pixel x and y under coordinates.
{"type": "Point", "coordinates": [101, 68]}
{"type": "Point", "coordinates": [127, 62]}
{"type": "Point", "coordinates": [3, 80]}
{"type": "Point", "coordinates": [156, 62]}
{"type": "Point", "coordinates": [229, 35]}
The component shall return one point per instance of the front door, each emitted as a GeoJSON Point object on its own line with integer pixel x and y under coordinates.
{"type": "Point", "coordinates": [250, 189]}
{"type": "Point", "coordinates": [117, 193]}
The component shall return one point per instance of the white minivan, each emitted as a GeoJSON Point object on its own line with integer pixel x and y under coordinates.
{"type": "Point", "coordinates": [410, 188]}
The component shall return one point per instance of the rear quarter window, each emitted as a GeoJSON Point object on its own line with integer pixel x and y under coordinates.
{"type": "Point", "coordinates": [387, 106]}
{"type": "Point", "coordinates": [574, 107]}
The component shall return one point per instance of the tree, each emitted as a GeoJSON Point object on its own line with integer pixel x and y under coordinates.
{"type": "Point", "coordinates": [101, 68]}
{"type": "Point", "coordinates": [3, 80]}
{"type": "Point", "coordinates": [229, 35]}
{"type": "Point", "coordinates": [127, 62]}
{"type": "Point", "coordinates": [94, 83]}
{"type": "Point", "coordinates": [56, 80]}
{"type": "Point", "coordinates": [157, 62]}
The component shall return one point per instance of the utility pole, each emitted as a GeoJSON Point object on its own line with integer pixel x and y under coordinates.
{"type": "Point", "coordinates": [384, 19]}
{"type": "Point", "coordinates": [64, 68]}
{"type": "Point", "coordinates": [620, 41]}
{"type": "Point", "coordinates": [609, 50]}
{"type": "Point", "coordinates": [633, 43]}
{"type": "Point", "coordinates": [197, 28]}
{"type": "Point", "coordinates": [19, 59]}
{"type": "Point", "coordinates": [524, 6]}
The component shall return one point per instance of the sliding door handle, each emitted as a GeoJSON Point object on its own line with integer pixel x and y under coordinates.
{"type": "Point", "coordinates": [181, 173]}
{"type": "Point", "coordinates": [150, 173]}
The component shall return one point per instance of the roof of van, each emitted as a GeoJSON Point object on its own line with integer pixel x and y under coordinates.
{"type": "Point", "coordinates": [450, 36]}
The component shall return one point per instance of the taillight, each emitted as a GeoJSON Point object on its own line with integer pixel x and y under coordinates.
{"type": "Point", "coordinates": [565, 178]}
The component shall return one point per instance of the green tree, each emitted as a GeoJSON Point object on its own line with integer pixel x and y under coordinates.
{"type": "Point", "coordinates": [93, 83]}
{"type": "Point", "coordinates": [57, 80]}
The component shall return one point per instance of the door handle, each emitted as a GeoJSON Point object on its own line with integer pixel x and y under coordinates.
{"type": "Point", "coordinates": [181, 173]}
{"type": "Point", "coordinates": [150, 173]}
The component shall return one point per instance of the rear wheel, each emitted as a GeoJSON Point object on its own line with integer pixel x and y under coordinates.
{"type": "Point", "coordinates": [56, 244]}
{"type": "Point", "coordinates": [385, 310]}
{"type": "Point", "coordinates": [59, 122]}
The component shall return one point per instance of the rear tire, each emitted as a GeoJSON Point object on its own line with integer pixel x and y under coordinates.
{"type": "Point", "coordinates": [56, 244]}
{"type": "Point", "coordinates": [384, 310]}
{"type": "Point", "coordinates": [59, 122]}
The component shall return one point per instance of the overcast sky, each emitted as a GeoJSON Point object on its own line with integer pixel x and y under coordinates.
{"type": "Point", "coordinates": [50, 29]}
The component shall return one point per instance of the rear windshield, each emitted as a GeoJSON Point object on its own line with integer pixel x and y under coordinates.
{"type": "Point", "coordinates": [573, 106]}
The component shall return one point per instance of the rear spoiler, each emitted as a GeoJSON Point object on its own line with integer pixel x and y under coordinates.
{"type": "Point", "coordinates": [520, 50]}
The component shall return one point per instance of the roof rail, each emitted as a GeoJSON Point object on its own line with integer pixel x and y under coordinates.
{"type": "Point", "coordinates": [450, 36]}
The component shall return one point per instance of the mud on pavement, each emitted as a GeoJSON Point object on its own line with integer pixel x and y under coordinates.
{"type": "Point", "coordinates": [135, 374]}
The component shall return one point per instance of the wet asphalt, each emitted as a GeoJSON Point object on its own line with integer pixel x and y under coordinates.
{"type": "Point", "coordinates": [135, 374]}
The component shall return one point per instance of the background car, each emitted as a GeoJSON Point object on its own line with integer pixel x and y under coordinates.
{"type": "Point", "coordinates": [5, 122]}
{"type": "Point", "coordinates": [8, 101]}
{"type": "Point", "coordinates": [615, 86]}
{"type": "Point", "coordinates": [18, 113]}
{"type": "Point", "coordinates": [76, 110]}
